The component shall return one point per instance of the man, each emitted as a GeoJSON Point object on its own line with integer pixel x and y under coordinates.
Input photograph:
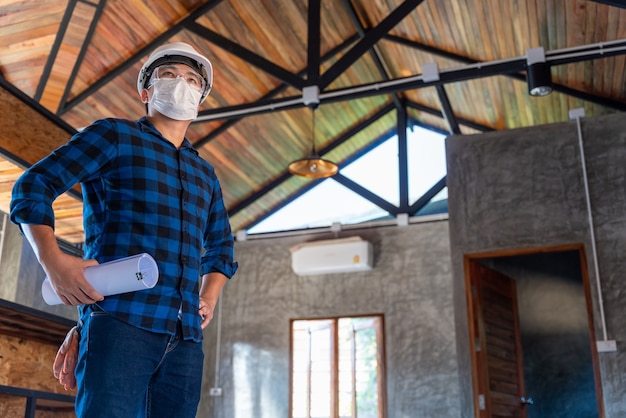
{"type": "Point", "coordinates": [145, 189]}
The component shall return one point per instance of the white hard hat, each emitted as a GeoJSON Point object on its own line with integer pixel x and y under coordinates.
{"type": "Point", "coordinates": [180, 53]}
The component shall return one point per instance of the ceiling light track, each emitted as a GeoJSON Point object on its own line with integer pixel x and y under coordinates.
{"type": "Point", "coordinates": [448, 75]}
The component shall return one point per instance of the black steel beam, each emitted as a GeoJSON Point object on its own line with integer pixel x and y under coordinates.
{"type": "Point", "coordinates": [427, 197]}
{"type": "Point", "coordinates": [313, 42]}
{"type": "Point", "coordinates": [245, 54]}
{"type": "Point", "coordinates": [58, 40]}
{"type": "Point", "coordinates": [362, 191]}
{"type": "Point", "coordinates": [446, 109]}
{"type": "Point", "coordinates": [367, 42]}
{"type": "Point", "coordinates": [233, 121]}
{"type": "Point", "coordinates": [403, 160]}
{"type": "Point", "coordinates": [83, 50]}
{"type": "Point", "coordinates": [374, 52]}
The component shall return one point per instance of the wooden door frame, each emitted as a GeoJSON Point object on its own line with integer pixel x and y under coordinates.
{"type": "Point", "coordinates": [474, 257]}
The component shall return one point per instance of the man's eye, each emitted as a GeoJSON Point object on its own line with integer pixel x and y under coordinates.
{"type": "Point", "coordinates": [168, 74]}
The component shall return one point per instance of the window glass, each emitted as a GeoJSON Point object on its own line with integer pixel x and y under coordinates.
{"type": "Point", "coordinates": [353, 384]}
{"type": "Point", "coordinates": [427, 160]}
{"type": "Point", "coordinates": [377, 171]}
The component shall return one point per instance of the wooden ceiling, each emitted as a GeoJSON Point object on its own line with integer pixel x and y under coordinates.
{"type": "Point", "coordinates": [67, 63]}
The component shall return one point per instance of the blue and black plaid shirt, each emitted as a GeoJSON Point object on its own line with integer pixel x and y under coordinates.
{"type": "Point", "coordinates": [141, 194]}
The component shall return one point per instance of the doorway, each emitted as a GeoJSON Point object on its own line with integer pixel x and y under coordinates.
{"type": "Point", "coordinates": [532, 339]}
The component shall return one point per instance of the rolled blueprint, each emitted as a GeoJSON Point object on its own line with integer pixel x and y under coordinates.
{"type": "Point", "coordinates": [128, 274]}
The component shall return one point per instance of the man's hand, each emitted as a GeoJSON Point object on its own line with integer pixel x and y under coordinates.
{"type": "Point", "coordinates": [66, 273]}
{"type": "Point", "coordinates": [212, 284]}
{"type": "Point", "coordinates": [66, 359]}
{"type": "Point", "coordinates": [206, 312]}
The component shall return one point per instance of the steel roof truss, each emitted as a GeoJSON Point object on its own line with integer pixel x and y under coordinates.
{"type": "Point", "coordinates": [374, 51]}
{"type": "Point", "coordinates": [83, 50]}
{"type": "Point", "coordinates": [367, 42]}
{"type": "Point", "coordinates": [58, 40]}
{"type": "Point", "coordinates": [246, 55]}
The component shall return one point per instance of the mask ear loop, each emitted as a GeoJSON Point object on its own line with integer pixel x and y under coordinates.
{"type": "Point", "coordinates": [153, 79]}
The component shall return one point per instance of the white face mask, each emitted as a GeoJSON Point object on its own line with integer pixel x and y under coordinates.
{"type": "Point", "coordinates": [174, 98]}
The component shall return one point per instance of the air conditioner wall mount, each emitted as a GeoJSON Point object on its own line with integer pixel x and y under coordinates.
{"type": "Point", "coordinates": [340, 255]}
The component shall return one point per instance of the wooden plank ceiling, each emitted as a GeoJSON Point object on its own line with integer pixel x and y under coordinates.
{"type": "Point", "coordinates": [67, 63]}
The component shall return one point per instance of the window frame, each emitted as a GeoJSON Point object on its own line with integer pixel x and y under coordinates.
{"type": "Point", "coordinates": [333, 324]}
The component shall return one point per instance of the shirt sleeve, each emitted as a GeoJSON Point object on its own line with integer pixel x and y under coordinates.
{"type": "Point", "coordinates": [84, 157]}
{"type": "Point", "coordinates": [218, 239]}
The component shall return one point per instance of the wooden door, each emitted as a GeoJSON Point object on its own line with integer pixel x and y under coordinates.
{"type": "Point", "coordinates": [497, 344]}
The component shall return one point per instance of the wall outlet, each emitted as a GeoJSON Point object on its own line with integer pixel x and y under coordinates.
{"type": "Point", "coordinates": [215, 392]}
{"type": "Point", "coordinates": [606, 346]}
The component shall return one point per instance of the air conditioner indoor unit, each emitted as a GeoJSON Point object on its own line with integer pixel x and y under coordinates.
{"type": "Point", "coordinates": [332, 256]}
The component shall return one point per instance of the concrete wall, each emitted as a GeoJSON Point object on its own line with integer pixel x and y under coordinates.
{"type": "Point", "coordinates": [410, 285]}
{"type": "Point", "coordinates": [9, 258]}
{"type": "Point", "coordinates": [21, 276]}
{"type": "Point", "coordinates": [524, 189]}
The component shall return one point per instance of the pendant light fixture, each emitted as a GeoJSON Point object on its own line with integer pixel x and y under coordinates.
{"type": "Point", "coordinates": [313, 166]}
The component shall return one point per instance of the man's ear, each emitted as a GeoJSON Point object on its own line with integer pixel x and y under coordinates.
{"type": "Point", "coordinates": [144, 96]}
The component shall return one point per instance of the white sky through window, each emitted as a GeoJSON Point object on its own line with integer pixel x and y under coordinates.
{"type": "Point", "coordinates": [376, 171]}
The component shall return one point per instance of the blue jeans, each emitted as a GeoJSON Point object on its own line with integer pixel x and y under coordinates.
{"type": "Point", "coordinates": [127, 372]}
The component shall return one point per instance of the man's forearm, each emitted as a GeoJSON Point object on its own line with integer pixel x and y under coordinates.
{"type": "Point", "coordinates": [66, 272]}
{"type": "Point", "coordinates": [212, 284]}
{"type": "Point", "coordinates": [42, 240]}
